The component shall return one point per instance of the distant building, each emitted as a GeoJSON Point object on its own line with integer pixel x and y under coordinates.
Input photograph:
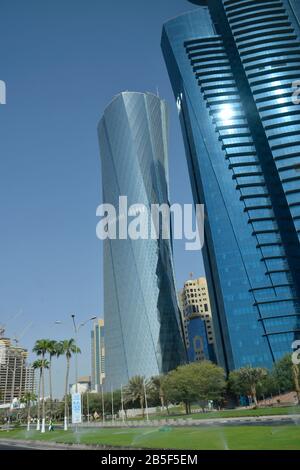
{"type": "Point", "coordinates": [83, 385]}
{"type": "Point", "coordinates": [97, 355]}
{"type": "Point", "coordinates": [16, 377]}
{"type": "Point", "coordinates": [197, 320]}
{"type": "Point", "coordinates": [30, 383]}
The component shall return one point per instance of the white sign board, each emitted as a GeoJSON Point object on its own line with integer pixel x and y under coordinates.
{"type": "Point", "coordinates": [76, 408]}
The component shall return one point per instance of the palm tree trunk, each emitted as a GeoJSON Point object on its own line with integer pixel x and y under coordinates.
{"type": "Point", "coordinates": [50, 384]}
{"type": "Point", "coordinates": [66, 395]}
{"type": "Point", "coordinates": [296, 381]}
{"type": "Point", "coordinates": [142, 406]}
{"type": "Point", "coordinates": [162, 400]}
{"type": "Point", "coordinates": [39, 403]}
{"type": "Point", "coordinates": [43, 400]}
{"type": "Point", "coordinates": [253, 393]}
{"type": "Point", "coordinates": [28, 415]}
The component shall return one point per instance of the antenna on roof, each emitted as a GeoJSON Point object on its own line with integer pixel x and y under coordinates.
{"type": "Point", "coordinates": [191, 275]}
{"type": "Point", "coordinates": [157, 91]}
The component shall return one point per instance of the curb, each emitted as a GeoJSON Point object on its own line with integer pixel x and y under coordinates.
{"type": "Point", "coordinates": [48, 445]}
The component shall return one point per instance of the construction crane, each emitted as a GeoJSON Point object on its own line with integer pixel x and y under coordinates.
{"type": "Point", "coordinates": [16, 339]}
{"type": "Point", "coordinates": [13, 318]}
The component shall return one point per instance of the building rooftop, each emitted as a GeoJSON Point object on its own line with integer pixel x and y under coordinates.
{"type": "Point", "coordinates": [84, 379]}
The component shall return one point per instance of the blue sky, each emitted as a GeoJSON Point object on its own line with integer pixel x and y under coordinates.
{"type": "Point", "coordinates": [62, 62]}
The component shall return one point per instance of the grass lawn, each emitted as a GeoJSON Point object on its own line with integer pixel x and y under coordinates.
{"type": "Point", "coordinates": [209, 438]}
{"type": "Point", "coordinates": [271, 411]}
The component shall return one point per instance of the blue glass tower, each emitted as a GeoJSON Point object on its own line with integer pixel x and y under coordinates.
{"type": "Point", "coordinates": [143, 334]}
{"type": "Point", "coordinates": [232, 64]}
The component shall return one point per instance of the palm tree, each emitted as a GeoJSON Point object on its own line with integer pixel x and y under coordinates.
{"type": "Point", "coordinates": [53, 349]}
{"type": "Point", "coordinates": [67, 348]}
{"type": "Point", "coordinates": [251, 377]}
{"type": "Point", "coordinates": [295, 369]}
{"type": "Point", "coordinates": [26, 399]}
{"type": "Point", "coordinates": [156, 383]}
{"type": "Point", "coordinates": [41, 348]}
{"type": "Point", "coordinates": [135, 390]}
{"type": "Point", "coordinates": [38, 364]}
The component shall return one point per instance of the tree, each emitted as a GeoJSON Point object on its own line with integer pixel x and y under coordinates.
{"type": "Point", "coordinates": [236, 385]}
{"type": "Point", "coordinates": [135, 391]}
{"type": "Point", "coordinates": [287, 375]}
{"type": "Point", "coordinates": [179, 387]}
{"type": "Point", "coordinates": [41, 364]}
{"type": "Point", "coordinates": [41, 348]}
{"type": "Point", "coordinates": [53, 349]}
{"type": "Point", "coordinates": [157, 384]}
{"type": "Point", "coordinates": [38, 365]}
{"type": "Point", "coordinates": [26, 399]}
{"type": "Point", "coordinates": [247, 379]}
{"type": "Point", "coordinates": [67, 348]}
{"type": "Point", "coordinates": [266, 387]}
{"type": "Point", "coordinates": [95, 402]}
{"type": "Point", "coordinates": [197, 382]}
{"type": "Point", "coordinates": [210, 380]}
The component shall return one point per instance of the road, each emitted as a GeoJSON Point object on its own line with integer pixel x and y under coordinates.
{"type": "Point", "coordinates": [12, 446]}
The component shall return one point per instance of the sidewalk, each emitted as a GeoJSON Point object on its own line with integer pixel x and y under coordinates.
{"type": "Point", "coordinates": [190, 422]}
{"type": "Point", "coordinates": [19, 444]}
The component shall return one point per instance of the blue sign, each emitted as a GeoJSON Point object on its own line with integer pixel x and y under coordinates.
{"type": "Point", "coordinates": [76, 408]}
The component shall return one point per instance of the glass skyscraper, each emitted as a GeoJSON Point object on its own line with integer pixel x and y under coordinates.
{"type": "Point", "coordinates": [143, 334]}
{"type": "Point", "coordinates": [232, 64]}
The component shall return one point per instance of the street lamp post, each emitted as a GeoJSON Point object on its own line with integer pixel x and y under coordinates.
{"type": "Point", "coordinates": [88, 406]}
{"type": "Point", "coordinates": [122, 404]}
{"type": "Point", "coordinates": [76, 330]}
{"type": "Point", "coordinates": [112, 405]}
{"type": "Point", "coordinates": [76, 352]}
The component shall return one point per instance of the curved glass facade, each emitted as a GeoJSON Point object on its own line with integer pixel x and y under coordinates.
{"type": "Point", "coordinates": [143, 334]}
{"type": "Point", "coordinates": [232, 64]}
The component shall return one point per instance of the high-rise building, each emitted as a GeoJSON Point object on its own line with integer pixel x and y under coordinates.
{"type": "Point", "coordinates": [30, 382]}
{"type": "Point", "coordinates": [197, 319]}
{"type": "Point", "coordinates": [232, 64]}
{"type": "Point", "coordinates": [16, 377]}
{"type": "Point", "coordinates": [143, 334]}
{"type": "Point", "coordinates": [98, 355]}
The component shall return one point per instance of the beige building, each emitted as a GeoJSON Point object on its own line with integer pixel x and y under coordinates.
{"type": "Point", "coordinates": [16, 377]}
{"type": "Point", "coordinates": [194, 301]}
{"type": "Point", "coordinates": [83, 385]}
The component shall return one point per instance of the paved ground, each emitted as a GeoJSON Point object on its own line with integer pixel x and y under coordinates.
{"type": "Point", "coordinates": [22, 445]}
{"type": "Point", "coordinates": [12, 446]}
